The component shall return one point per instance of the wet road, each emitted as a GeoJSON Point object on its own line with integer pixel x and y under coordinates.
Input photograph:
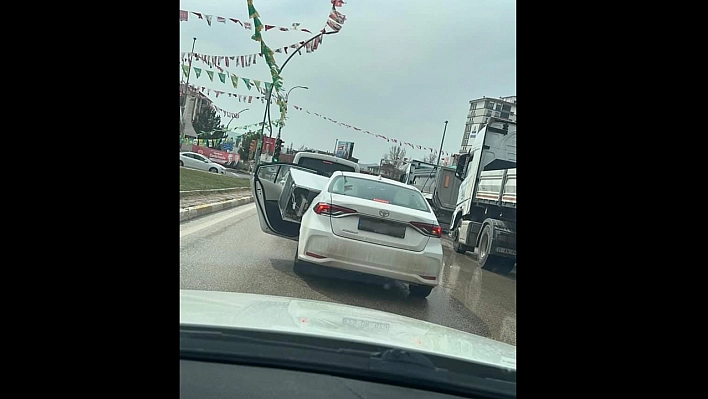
{"type": "Point", "coordinates": [227, 251]}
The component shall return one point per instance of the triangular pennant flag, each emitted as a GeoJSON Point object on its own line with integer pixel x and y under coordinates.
{"type": "Point", "coordinates": [197, 14]}
{"type": "Point", "coordinates": [222, 77]}
{"type": "Point", "coordinates": [183, 15]}
{"type": "Point", "coordinates": [334, 25]}
{"type": "Point", "coordinates": [197, 71]}
{"type": "Point", "coordinates": [211, 75]}
{"type": "Point", "coordinates": [247, 25]}
{"type": "Point", "coordinates": [234, 81]}
{"type": "Point", "coordinates": [258, 84]}
{"type": "Point", "coordinates": [249, 99]}
{"type": "Point", "coordinates": [185, 69]}
{"type": "Point", "coordinates": [217, 93]}
{"type": "Point", "coordinates": [269, 27]}
{"type": "Point", "coordinates": [267, 85]}
{"type": "Point", "coordinates": [248, 83]}
{"type": "Point", "coordinates": [208, 18]}
{"type": "Point", "coordinates": [278, 50]}
{"type": "Point", "coordinates": [236, 21]}
{"type": "Point", "coordinates": [221, 19]}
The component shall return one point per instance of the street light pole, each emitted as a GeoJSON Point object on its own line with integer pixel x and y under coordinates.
{"type": "Point", "coordinates": [287, 95]}
{"type": "Point", "coordinates": [441, 143]}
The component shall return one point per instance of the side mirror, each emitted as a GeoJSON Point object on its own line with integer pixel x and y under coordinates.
{"type": "Point", "coordinates": [460, 168]}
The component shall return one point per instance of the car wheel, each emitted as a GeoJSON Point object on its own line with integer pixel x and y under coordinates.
{"type": "Point", "coordinates": [419, 291]}
{"type": "Point", "coordinates": [181, 163]}
{"type": "Point", "coordinates": [213, 170]}
{"type": "Point", "coordinates": [297, 265]}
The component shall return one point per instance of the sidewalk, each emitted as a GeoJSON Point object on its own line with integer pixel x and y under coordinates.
{"type": "Point", "coordinates": [200, 203]}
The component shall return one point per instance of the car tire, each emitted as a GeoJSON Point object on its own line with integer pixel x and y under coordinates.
{"type": "Point", "coordinates": [495, 263]}
{"type": "Point", "coordinates": [419, 291]}
{"type": "Point", "coordinates": [181, 163]}
{"type": "Point", "coordinates": [297, 265]}
{"type": "Point", "coordinates": [214, 170]}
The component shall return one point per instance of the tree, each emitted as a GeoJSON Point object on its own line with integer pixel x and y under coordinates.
{"type": "Point", "coordinates": [208, 126]}
{"type": "Point", "coordinates": [432, 157]}
{"type": "Point", "coordinates": [395, 155]}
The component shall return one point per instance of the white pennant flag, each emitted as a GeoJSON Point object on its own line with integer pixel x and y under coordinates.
{"type": "Point", "coordinates": [208, 18]}
{"type": "Point", "coordinates": [221, 19]}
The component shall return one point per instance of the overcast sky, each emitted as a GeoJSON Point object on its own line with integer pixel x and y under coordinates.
{"type": "Point", "coordinates": [397, 68]}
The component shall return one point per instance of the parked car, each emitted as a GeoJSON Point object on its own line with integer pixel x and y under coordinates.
{"type": "Point", "coordinates": [355, 222]}
{"type": "Point", "coordinates": [199, 161]}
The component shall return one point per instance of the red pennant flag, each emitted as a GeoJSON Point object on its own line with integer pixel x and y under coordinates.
{"type": "Point", "coordinates": [334, 25]}
{"type": "Point", "coordinates": [394, 140]}
{"type": "Point", "coordinates": [305, 30]}
{"type": "Point", "coordinates": [249, 99]}
{"type": "Point", "coordinates": [183, 15]}
{"type": "Point", "coordinates": [269, 27]}
{"type": "Point", "coordinates": [283, 29]}
{"type": "Point", "coordinates": [337, 3]}
{"type": "Point", "coordinates": [198, 14]}
{"type": "Point", "coordinates": [236, 21]}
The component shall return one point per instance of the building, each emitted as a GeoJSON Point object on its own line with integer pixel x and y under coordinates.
{"type": "Point", "coordinates": [481, 110]}
{"type": "Point", "coordinates": [191, 100]}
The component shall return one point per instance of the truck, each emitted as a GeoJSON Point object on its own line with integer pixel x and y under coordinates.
{"type": "Point", "coordinates": [438, 185]}
{"type": "Point", "coordinates": [485, 214]}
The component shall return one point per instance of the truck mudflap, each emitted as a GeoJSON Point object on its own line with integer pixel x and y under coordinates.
{"type": "Point", "coordinates": [504, 238]}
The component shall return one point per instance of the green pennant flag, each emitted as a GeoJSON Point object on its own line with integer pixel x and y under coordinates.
{"type": "Point", "coordinates": [267, 86]}
{"type": "Point", "coordinates": [211, 75]}
{"type": "Point", "coordinates": [185, 69]}
{"type": "Point", "coordinates": [252, 13]}
{"type": "Point", "coordinates": [234, 81]}
{"type": "Point", "coordinates": [248, 83]}
{"type": "Point", "coordinates": [197, 71]}
{"type": "Point", "coordinates": [258, 84]}
{"type": "Point", "coordinates": [222, 77]}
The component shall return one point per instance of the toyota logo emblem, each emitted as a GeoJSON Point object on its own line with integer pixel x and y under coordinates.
{"type": "Point", "coordinates": [384, 214]}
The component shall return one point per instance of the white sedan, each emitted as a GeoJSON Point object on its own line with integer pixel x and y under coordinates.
{"type": "Point", "coordinates": [199, 161]}
{"type": "Point", "coordinates": [360, 223]}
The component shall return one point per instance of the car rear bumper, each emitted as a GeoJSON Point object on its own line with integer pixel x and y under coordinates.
{"type": "Point", "coordinates": [363, 257]}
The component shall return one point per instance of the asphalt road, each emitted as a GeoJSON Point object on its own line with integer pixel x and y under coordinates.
{"type": "Point", "coordinates": [227, 251]}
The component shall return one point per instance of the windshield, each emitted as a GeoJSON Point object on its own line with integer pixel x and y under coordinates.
{"type": "Point", "coordinates": [379, 191]}
{"type": "Point", "coordinates": [391, 94]}
{"type": "Point", "coordinates": [323, 167]}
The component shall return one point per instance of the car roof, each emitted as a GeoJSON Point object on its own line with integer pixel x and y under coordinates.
{"type": "Point", "coordinates": [376, 178]}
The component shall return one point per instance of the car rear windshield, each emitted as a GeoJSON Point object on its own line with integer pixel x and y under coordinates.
{"type": "Point", "coordinates": [379, 191]}
{"type": "Point", "coordinates": [323, 167]}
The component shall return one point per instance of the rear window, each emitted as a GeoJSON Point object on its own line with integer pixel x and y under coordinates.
{"type": "Point", "coordinates": [324, 168]}
{"type": "Point", "coordinates": [379, 191]}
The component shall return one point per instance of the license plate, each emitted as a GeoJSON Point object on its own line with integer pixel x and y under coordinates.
{"type": "Point", "coordinates": [506, 251]}
{"type": "Point", "coordinates": [365, 324]}
{"type": "Point", "coordinates": [378, 227]}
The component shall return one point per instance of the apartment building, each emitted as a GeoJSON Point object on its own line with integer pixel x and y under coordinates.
{"type": "Point", "coordinates": [481, 110]}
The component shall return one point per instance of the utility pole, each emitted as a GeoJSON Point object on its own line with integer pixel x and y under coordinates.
{"type": "Point", "coordinates": [186, 85]}
{"type": "Point", "coordinates": [441, 143]}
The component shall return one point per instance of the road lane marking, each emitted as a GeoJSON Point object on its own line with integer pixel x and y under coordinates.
{"type": "Point", "coordinates": [200, 225]}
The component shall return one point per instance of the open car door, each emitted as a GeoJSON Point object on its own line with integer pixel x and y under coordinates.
{"type": "Point", "coordinates": [267, 185]}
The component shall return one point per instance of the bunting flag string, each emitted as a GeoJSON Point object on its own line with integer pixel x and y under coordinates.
{"type": "Point", "coordinates": [234, 78]}
{"type": "Point", "coordinates": [216, 61]}
{"type": "Point", "coordinates": [184, 17]}
{"type": "Point", "coordinates": [388, 139]}
{"type": "Point", "coordinates": [240, 97]}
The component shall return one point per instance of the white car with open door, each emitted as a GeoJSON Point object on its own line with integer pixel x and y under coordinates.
{"type": "Point", "coordinates": [352, 221]}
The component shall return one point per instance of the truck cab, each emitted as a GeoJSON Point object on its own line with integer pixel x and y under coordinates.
{"type": "Point", "coordinates": [485, 214]}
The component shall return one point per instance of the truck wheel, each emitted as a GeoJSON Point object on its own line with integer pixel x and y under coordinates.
{"type": "Point", "coordinates": [181, 163]}
{"type": "Point", "coordinates": [419, 291]}
{"type": "Point", "coordinates": [499, 264]}
{"type": "Point", "coordinates": [456, 245]}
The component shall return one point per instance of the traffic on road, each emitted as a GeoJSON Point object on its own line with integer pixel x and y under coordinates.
{"type": "Point", "coordinates": [347, 199]}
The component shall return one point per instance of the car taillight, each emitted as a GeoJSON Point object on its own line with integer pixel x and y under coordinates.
{"type": "Point", "coordinates": [430, 229]}
{"type": "Point", "coordinates": [332, 210]}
